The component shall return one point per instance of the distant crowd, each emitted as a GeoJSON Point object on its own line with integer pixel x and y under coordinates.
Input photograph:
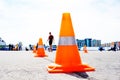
{"type": "Point", "coordinates": [16, 47]}
{"type": "Point", "coordinates": [113, 47]}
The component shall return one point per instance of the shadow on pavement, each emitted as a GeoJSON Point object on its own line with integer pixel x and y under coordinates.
{"type": "Point", "coordinates": [82, 75]}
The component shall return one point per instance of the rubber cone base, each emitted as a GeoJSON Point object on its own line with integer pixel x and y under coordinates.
{"type": "Point", "coordinates": [55, 68]}
{"type": "Point", "coordinates": [40, 53]}
{"type": "Point", "coordinates": [34, 51]}
{"type": "Point", "coordinates": [40, 56]}
{"type": "Point", "coordinates": [85, 51]}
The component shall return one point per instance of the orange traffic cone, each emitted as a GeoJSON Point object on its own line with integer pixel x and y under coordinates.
{"type": "Point", "coordinates": [85, 49]}
{"type": "Point", "coordinates": [34, 49]}
{"type": "Point", "coordinates": [40, 50]}
{"type": "Point", "coordinates": [67, 54]}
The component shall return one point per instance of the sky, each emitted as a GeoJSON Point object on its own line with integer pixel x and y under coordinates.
{"type": "Point", "coordinates": [28, 20]}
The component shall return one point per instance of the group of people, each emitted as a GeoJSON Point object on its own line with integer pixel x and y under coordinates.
{"type": "Point", "coordinates": [16, 47]}
{"type": "Point", "coordinates": [114, 47]}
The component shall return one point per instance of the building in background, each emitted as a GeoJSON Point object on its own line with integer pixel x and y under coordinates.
{"type": "Point", "coordinates": [89, 42]}
{"type": "Point", "coordinates": [80, 43]}
{"type": "Point", "coordinates": [95, 43]}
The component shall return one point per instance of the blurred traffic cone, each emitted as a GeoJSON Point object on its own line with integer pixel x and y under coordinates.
{"type": "Point", "coordinates": [34, 49]}
{"type": "Point", "coordinates": [85, 49]}
{"type": "Point", "coordinates": [67, 54]}
{"type": "Point", "coordinates": [40, 50]}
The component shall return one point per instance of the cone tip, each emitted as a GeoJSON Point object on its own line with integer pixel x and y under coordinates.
{"type": "Point", "coordinates": [40, 41]}
{"type": "Point", "coordinates": [66, 13]}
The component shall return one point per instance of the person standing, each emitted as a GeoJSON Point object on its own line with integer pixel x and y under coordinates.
{"type": "Point", "coordinates": [50, 39]}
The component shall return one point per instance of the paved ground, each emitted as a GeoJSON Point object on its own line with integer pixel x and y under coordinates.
{"type": "Point", "coordinates": [22, 65]}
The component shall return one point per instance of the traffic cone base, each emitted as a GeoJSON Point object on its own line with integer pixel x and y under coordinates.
{"type": "Point", "coordinates": [65, 63]}
{"type": "Point", "coordinates": [55, 68]}
{"type": "Point", "coordinates": [40, 53]}
{"type": "Point", "coordinates": [85, 51]}
{"type": "Point", "coordinates": [34, 49]}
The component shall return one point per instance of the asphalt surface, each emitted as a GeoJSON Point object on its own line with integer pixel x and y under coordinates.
{"type": "Point", "coordinates": [22, 65]}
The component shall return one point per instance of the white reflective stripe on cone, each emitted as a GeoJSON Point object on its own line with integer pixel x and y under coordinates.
{"type": "Point", "coordinates": [40, 46]}
{"type": "Point", "coordinates": [67, 41]}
